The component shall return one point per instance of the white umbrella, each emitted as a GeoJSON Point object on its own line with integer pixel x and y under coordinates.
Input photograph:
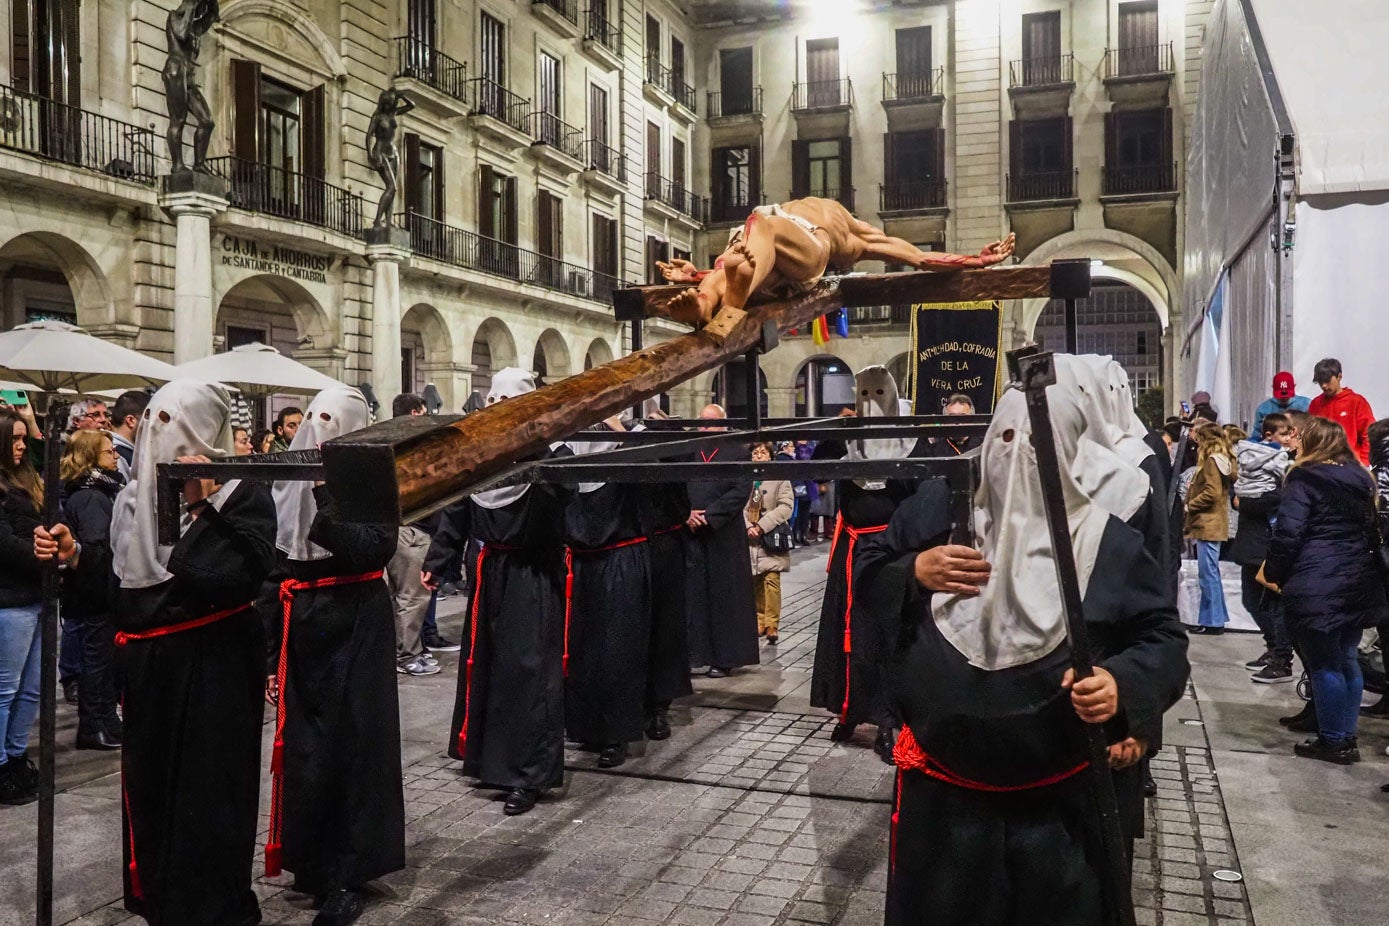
{"type": "Point", "coordinates": [47, 358]}
{"type": "Point", "coordinates": [258, 370]}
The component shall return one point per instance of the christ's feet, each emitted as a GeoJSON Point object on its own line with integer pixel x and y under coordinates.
{"type": "Point", "coordinates": [688, 307]}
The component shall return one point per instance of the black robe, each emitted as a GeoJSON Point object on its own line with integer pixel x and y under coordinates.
{"type": "Point", "coordinates": [718, 574]}
{"type": "Point", "coordinates": [609, 617]}
{"type": "Point", "coordinates": [511, 681]}
{"type": "Point", "coordinates": [193, 703]}
{"type": "Point", "coordinates": [662, 509]}
{"type": "Point", "coordinates": [343, 801]}
{"type": "Point", "coordinates": [966, 856]}
{"type": "Point", "coordinates": [847, 675]}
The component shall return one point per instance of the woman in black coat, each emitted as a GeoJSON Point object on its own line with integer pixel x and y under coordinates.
{"type": "Point", "coordinates": [90, 483]}
{"type": "Point", "coordinates": [21, 497]}
{"type": "Point", "coordinates": [1323, 556]}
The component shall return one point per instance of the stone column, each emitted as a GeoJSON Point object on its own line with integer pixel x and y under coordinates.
{"type": "Point", "coordinates": [192, 203]}
{"type": "Point", "coordinates": [387, 252]}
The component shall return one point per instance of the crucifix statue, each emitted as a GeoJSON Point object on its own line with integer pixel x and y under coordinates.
{"type": "Point", "coordinates": [382, 153]}
{"type": "Point", "coordinates": [185, 28]}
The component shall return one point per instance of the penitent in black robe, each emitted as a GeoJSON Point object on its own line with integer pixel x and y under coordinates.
{"type": "Point", "coordinates": [342, 798]}
{"type": "Point", "coordinates": [193, 703]}
{"type": "Point", "coordinates": [609, 617]}
{"type": "Point", "coordinates": [962, 856]}
{"type": "Point", "coordinates": [718, 574]}
{"type": "Point", "coordinates": [510, 699]}
{"type": "Point", "coordinates": [662, 509]}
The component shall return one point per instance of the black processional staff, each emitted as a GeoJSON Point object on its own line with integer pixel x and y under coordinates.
{"type": "Point", "coordinates": [1035, 371]}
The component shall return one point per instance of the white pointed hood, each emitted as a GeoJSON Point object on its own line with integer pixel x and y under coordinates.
{"type": "Point", "coordinates": [333, 413]}
{"type": "Point", "coordinates": [875, 396]}
{"type": "Point", "coordinates": [1120, 490]}
{"type": "Point", "coordinates": [507, 382]}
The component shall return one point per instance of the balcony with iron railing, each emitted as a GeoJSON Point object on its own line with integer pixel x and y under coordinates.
{"type": "Point", "coordinates": [1041, 71]}
{"type": "Point", "coordinates": [471, 251]}
{"type": "Point", "coordinates": [880, 316]}
{"type": "Point", "coordinates": [1138, 61]}
{"type": "Point", "coordinates": [684, 94]}
{"type": "Point", "coordinates": [489, 98]}
{"type": "Point", "coordinates": [1140, 180]}
{"type": "Point", "coordinates": [69, 135]}
{"type": "Point", "coordinates": [605, 159]}
{"type": "Point", "coordinates": [911, 196]}
{"type": "Point", "coordinates": [674, 195]}
{"type": "Point", "coordinates": [658, 76]}
{"type": "Point", "coordinates": [746, 101]}
{"type": "Point", "coordinates": [1042, 186]}
{"type": "Point", "coordinates": [552, 131]}
{"type": "Point", "coordinates": [289, 194]}
{"type": "Point", "coordinates": [845, 196]}
{"type": "Point", "coordinates": [734, 208]}
{"type": "Point", "coordinates": [419, 60]}
{"type": "Point", "coordinates": [568, 10]}
{"type": "Point", "coordinates": [914, 87]}
{"type": "Point", "coordinates": [599, 31]}
{"type": "Point", "coordinates": [819, 95]}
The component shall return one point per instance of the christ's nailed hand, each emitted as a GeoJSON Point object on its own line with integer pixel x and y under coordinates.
{"type": "Point", "coordinates": [953, 569]}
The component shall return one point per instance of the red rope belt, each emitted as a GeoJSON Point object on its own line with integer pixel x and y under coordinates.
{"type": "Point", "coordinates": [277, 755]}
{"type": "Point", "coordinates": [569, 554]}
{"type": "Point", "coordinates": [472, 634]}
{"type": "Point", "coordinates": [123, 639]}
{"type": "Point", "coordinates": [908, 755]}
{"type": "Point", "coordinates": [854, 534]}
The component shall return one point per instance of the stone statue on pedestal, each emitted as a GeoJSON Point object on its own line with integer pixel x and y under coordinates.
{"type": "Point", "coordinates": [185, 28]}
{"type": "Point", "coordinates": [382, 153]}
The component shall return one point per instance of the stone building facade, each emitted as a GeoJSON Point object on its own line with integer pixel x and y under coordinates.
{"type": "Point", "coordinates": [556, 148]}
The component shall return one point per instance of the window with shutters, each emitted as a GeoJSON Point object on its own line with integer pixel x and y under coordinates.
{"type": "Point", "coordinates": [549, 239]}
{"type": "Point", "coordinates": [656, 250]}
{"type": "Point", "coordinates": [677, 163]}
{"type": "Point", "coordinates": [46, 50]}
{"type": "Point", "coordinates": [1138, 152]}
{"type": "Point", "coordinates": [822, 168]}
{"type": "Point", "coordinates": [424, 178]}
{"type": "Point", "coordinates": [822, 73]}
{"type": "Point", "coordinates": [605, 245]}
{"type": "Point", "coordinates": [653, 38]}
{"type": "Point", "coordinates": [677, 63]}
{"type": "Point", "coordinates": [421, 25]}
{"type": "Point", "coordinates": [497, 225]}
{"type": "Point", "coordinates": [914, 63]}
{"type": "Point", "coordinates": [914, 169]}
{"type": "Point", "coordinates": [1041, 48]}
{"type": "Point", "coordinates": [653, 159]}
{"type": "Point", "coordinates": [598, 114]}
{"type": "Point", "coordinates": [735, 82]}
{"type": "Point", "coordinates": [1138, 37]}
{"type": "Point", "coordinates": [736, 181]}
{"type": "Point", "coordinates": [492, 50]}
{"type": "Point", "coordinates": [1040, 156]}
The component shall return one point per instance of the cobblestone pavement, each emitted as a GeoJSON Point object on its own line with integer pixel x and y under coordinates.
{"type": "Point", "coordinates": [747, 816]}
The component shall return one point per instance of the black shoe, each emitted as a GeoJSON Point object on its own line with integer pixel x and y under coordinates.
{"type": "Point", "coordinates": [100, 740]}
{"type": "Point", "coordinates": [436, 643]}
{"type": "Point", "coordinates": [1342, 754]}
{"type": "Point", "coordinates": [717, 672]}
{"type": "Point", "coordinates": [1149, 785]}
{"type": "Point", "coordinates": [884, 744]}
{"type": "Point", "coordinates": [1276, 671]}
{"type": "Point", "coordinates": [1305, 721]}
{"type": "Point", "coordinates": [612, 756]}
{"type": "Point", "coordinates": [341, 908]}
{"type": "Point", "coordinates": [520, 801]}
{"type": "Point", "coordinates": [658, 725]}
{"type": "Point", "coordinates": [842, 732]}
{"type": "Point", "coordinates": [1379, 709]}
{"type": "Point", "coordinates": [1260, 661]}
{"type": "Point", "coordinates": [1209, 631]}
{"type": "Point", "coordinates": [771, 639]}
{"type": "Point", "coordinates": [19, 782]}
{"type": "Point", "coordinates": [70, 691]}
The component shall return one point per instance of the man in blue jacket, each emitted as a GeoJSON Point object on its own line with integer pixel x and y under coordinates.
{"type": "Point", "coordinates": [1284, 400]}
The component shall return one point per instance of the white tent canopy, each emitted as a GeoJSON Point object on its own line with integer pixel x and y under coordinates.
{"type": "Point", "coordinates": [257, 370]}
{"type": "Point", "coordinates": [55, 356]}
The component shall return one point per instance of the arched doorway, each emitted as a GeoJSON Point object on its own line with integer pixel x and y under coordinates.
{"type": "Point", "coordinates": [426, 353]}
{"type": "Point", "coordinates": [900, 368]}
{"type": "Point", "coordinates": [494, 349]}
{"type": "Point", "coordinates": [730, 389]}
{"type": "Point", "coordinates": [550, 360]}
{"type": "Point", "coordinates": [278, 312]}
{"type": "Point", "coordinates": [598, 353]}
{"type": "Point", "coordinates": [824, 387]}
{"type": "Point", "coordinates": [1117, 320]}
{"type": "Point", "coordinates": [44, 276]}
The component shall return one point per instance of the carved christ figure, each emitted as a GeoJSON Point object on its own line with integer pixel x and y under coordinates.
{"type": "Point", "coordinates": [783, 249]}
{"type": "Point", "coordinates": [382, 153]}
{"type": "Point", "coordinates": [184, 29]}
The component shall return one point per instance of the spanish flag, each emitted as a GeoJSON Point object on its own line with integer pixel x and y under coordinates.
{"type": "Point", "coordinates": [820, 331]}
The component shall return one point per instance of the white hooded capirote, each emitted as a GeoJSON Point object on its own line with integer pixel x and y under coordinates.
{"type": "Point", "coordinates": [506, 383]}
{"type": "Point", "coordinates": [333, 413]}
{"type": "Point", "coordinates": [875, 396]}
{"type": "Point", "coordinates": [1017, 618]}
{"type": "Point", "coordinates": [184, 418]}
{"type": "Point", "coordinates": [1120, 490]}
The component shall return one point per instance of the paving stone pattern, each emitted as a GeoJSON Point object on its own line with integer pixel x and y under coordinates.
{"type": "Point", "coordinates": [743, 818]}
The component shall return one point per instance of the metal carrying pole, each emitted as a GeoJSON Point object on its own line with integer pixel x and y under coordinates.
{"type": "Point", "coordinates": [55, 415]}
{"type": "Point", "coordinates": [1036, 371]}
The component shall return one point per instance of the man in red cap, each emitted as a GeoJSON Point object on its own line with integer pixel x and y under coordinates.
{"type": "Point", "coordinates": [1285, 399]}
{"type": "Point", "coordinates": [1344, 406]}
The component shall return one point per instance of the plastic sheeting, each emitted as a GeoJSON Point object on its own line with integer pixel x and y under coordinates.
{"type": "Point", "coordinates": [1251, 327]}
{"type": "Point", "coordinates": [1330, 61]}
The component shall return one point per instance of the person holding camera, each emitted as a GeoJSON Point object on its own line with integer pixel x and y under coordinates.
{"type": "Point", "coordinates": [768, 517]}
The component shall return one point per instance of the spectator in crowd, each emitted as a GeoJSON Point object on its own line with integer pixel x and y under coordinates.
{"type": "Point", "coordinates": [769, 507]}
{"type": "Point", "coordinates": [956, 405]}
{"type": "Point", "coordinates": [21, 502]}
{"type": "Point", "coordinates": [88, 415]}
{"type": "Point", "coordinates": [125, 421]}
{"type": "Point", "coordinates": [242, 442]}
{"type": "Point", "coordinates": [807, 493]}
{"type": "Point", "coordinates": [1262, 466]}
{"type": "Point", "coordinates": [91, 481]}
{"type": "Point", "coordinates": [1283, 400]}
{"type": "Point", "coordinates": [404, 577]}
{"type": "Point", "coordinates": [1322, 556]}
{"type": "Point", "coordinates": [1344, 406]}
{"type": "Point", "coordinates": [1379, 469]}
{"type": "Point", "coordinates": [1208, 520]}
{"type": "Point", "coordinates": [286, 423]}
{"type": "Point", "coordinates": [1171, 437]}
{"type": "Point", "coordinates": [262, 440]}
{"type": "Point", "coordinates": [1201, 408]}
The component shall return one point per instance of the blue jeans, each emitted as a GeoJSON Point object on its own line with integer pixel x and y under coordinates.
{"type": "Point", "coordinates": [1334, 668]}
{"type": "Point", "coordinates": [431, 621]}
{"type": "Point", "coordinates": [1212, 613]}
{"type": "Point", "coordinates": [19, 677]}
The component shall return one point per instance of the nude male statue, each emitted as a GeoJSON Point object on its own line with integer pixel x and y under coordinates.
{"type": "Point", "coordinates": [184, 29]}
{"type": "Point", "coordinates": [382, 153]}
{"type": "Point", "coordinates": [785, 248]}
